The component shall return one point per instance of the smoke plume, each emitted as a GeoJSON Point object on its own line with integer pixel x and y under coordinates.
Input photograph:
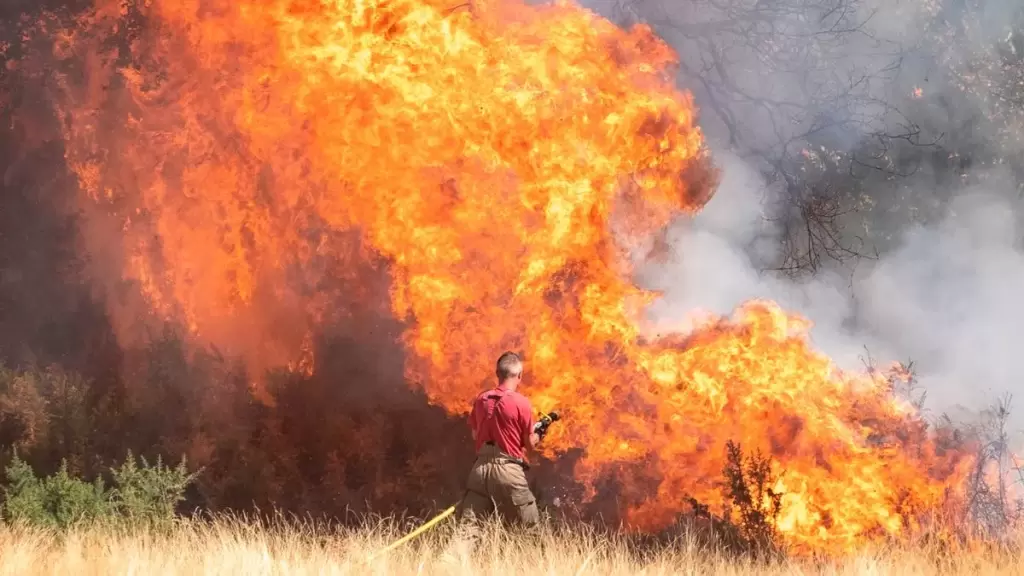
{"type": "Point", "coordinates": [942, 292]}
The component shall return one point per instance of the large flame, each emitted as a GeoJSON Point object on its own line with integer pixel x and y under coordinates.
{"type": "Point", "coordinates": [505, 160]}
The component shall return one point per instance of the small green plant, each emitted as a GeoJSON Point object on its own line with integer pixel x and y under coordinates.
{"type": "Point", "coordinates": [140, 494]}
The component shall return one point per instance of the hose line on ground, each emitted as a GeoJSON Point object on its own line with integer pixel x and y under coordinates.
{"type": "Point", "coordinates": [430, 524]}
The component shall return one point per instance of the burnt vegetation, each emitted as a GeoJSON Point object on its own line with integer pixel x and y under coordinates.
{"type": "Point", "coordinates": [847, 142]}
{"type": "Point", "coordinates": [753, 505]}
{"type": "Point", "coordinates": [747, 524]}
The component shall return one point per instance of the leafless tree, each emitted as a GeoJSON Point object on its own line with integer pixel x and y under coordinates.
{"type": "Point", "coordinates": [797, 87]}
{"type": "Point", "coordinates": [814, 93]}
{"type": "Point", "coordinates": [994, 504]}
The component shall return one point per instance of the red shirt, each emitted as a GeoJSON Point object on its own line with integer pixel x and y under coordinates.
{"type": "Point", "coordinates": [502, 417]}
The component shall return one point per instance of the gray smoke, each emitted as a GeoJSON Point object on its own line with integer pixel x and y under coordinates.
{"type": "Point", "coordinates": [945, 291]}
{"type": "Point", "coordinates": [949, 297]}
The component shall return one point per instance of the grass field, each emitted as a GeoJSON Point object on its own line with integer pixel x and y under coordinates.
{"type": "Point", "coordinates": [237, 548]}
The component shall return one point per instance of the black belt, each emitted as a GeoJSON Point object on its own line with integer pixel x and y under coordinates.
{"type": "Point", "coordinates": [523, 463]}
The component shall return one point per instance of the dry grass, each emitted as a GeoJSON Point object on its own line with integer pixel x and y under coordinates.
{"type": "Point", "coordinates": [237, 548]}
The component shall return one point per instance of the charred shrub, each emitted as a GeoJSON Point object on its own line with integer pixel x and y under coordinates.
{"type": "Point", "coordinates": [750, 510]}
{"type": "Point", "coordinates": [44, 415]}
{"type": "Point", "coordinates": [751, 504]}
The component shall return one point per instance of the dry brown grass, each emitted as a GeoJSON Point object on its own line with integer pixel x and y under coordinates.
{"type": "Point", "coordinates": [238, 548]}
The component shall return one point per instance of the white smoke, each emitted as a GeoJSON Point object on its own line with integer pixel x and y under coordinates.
{"type": "Point", "coordinates": [947, 298]}
{"type": "Point", "coordinates": [950, 298]}
{"type": "Point", "coordinates": [718, 260]}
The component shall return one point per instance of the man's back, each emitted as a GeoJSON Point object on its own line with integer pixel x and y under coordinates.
{"type": "Point", "coordinates": [504, 418]}
{"type": "Point", "coordinates": [502, 424]}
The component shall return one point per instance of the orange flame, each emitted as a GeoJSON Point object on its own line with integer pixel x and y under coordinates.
{"type": "Point", "coordinates": [504, 159]}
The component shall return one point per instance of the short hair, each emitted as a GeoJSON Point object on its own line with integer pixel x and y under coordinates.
{"type": "Point", "coordinates": [509, 364]}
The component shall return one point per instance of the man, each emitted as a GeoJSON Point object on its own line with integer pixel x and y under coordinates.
{"type": "Point", "coordinates": [502, 424]}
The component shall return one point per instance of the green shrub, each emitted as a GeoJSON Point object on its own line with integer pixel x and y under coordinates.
{"type": "Point", "coordinates": [58, 501]}
{"type": "Point", "coordinates": [149, 493]}
{"type": "Point", "coordinates": [140, 494]}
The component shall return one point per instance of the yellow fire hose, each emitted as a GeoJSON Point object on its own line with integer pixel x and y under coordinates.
{"type": "Point", "coordinates": [414, 533]}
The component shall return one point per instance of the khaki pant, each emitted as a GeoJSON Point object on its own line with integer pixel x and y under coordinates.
{"type": "Point", "coordinates": [496, 481]}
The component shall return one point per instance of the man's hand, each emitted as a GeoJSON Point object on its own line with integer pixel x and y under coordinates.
{"type": "Point", "coordinates": [534, 440]}
{"type": "Point", "coordinates": [540, 428]}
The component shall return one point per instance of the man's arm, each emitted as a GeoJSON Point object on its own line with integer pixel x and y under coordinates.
{"type": "Point", "coordinates": [530, 439]}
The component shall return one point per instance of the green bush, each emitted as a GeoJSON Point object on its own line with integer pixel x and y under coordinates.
{"type": "Point", "coordinates": [140, 494]}
{"type": "Point", "coordinates": [58, 501]}
{"type": "Point", "coordinates": [149, 493]}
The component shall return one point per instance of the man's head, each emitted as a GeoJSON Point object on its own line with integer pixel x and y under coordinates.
{"type": "Point", "coordinates": [510, 370]}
